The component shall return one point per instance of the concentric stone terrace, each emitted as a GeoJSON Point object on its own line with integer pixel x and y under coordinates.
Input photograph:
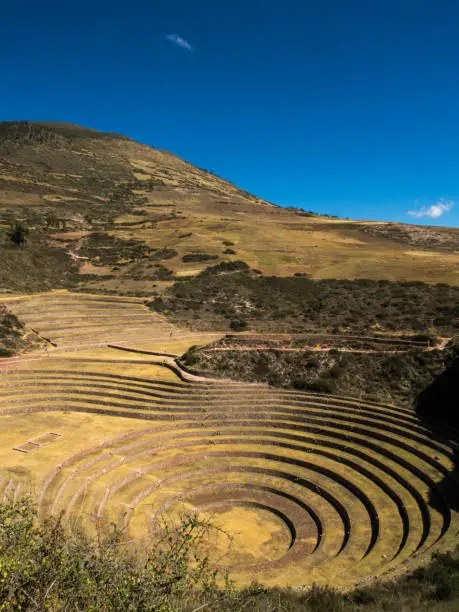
{"type": "Point", "coordinates": [307, 488]}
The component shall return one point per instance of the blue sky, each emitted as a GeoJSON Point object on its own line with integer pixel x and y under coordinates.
{"type": "Point", "coordinates": [347, 107]}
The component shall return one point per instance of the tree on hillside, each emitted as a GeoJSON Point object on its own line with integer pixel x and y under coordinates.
{"type": "Point", "coordinates": [18, 233]}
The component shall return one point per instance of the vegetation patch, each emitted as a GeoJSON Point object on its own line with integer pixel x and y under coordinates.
{"type": "Point", "coordinates": [13, 337]}
{"type": "Point", "coordinates": [43, 132]}
{"type": "Point", "coordinates": [36, 266]}
{"type": "Point", "coordinates": [376, 376]}
{"type": "Point", "coordinates": [11, 333]}
{"type": "Point", "coordinates": [192, 257]}
{"type": "Point", "coordinates": [163, 254]}
{"type": "Point", "coordinates": [45, 567]}
{"type": "Point", "coordinates": [225, 292]}
{"type": "Point", "coordinates": [150, 271]}
{"type": "Point", "coordinates": [107, 250]}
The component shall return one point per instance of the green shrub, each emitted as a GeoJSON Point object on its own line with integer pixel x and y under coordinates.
{"type": "Point", "coordinates": [224, 266]}
{"type": "Point", "coordinates": [320, 599]}
{"type": "Point", "coordinates": [163, 254]}
{"type": "Point", "coordinates": [238, 325]}
{"type": "Point", "coordinates": [336, 371]}
{"type": "Point", "coordinates": [157, 304]}
{"type": "Point", "coordinates": [429, 339]}
{"type": "Point", "coordinates": [198, 257]}
{"type": "Point", "coordinates": [440, 579]}
{"type": "Point", "coordinates": [44, 567]}
{"type": "Point", "coordinates": [320, 385]}
{"type": "Point", "coordinates": [190, 358]}
{"type": "Point", "coordinates": [18, 233]}
{"type": "Point", "coordinates": [319, 305]}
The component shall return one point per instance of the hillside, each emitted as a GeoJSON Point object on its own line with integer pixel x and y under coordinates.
{"type": "Point", "coordinates": [384, 373]}
{"type": "Point", "coordinates": [178, 354]}
{"type": "Point", "coordinates": [230, 295]}
{"type": "Point", "coordinates": [109, 214]}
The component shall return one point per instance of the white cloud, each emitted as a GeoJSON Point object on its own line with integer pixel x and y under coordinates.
{"type": "Point", "coordinates": [434, 211]}
{"type": "Point", "coordinates": [175, 39]}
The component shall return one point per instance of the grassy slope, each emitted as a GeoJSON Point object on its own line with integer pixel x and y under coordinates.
{"type": "Point", "coordinates": [69, 182]}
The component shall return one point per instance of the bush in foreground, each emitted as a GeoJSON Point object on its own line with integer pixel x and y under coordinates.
{"type": "Point", "coordinates": [42, 567]}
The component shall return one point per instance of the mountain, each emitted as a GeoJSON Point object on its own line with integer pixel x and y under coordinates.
{"type": "Point", "coordinates": [261, 365]}
{"type": "Point", "coordinates": [106, 213]}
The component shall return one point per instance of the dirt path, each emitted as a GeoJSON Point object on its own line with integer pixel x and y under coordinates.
{"type": "Point", "coordinates": [324, 348]}
{"type": "Point", "coordinates": [315, 349]}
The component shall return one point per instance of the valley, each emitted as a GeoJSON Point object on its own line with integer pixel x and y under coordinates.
{"type": "Point", "coordinates": [171, 344]}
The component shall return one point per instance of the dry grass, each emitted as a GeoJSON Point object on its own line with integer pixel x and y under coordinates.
{"type": "Point", "coordinates": [132, 191]}
{"type": "Point", "coordinates": [312, 488]}
{"type": "Point", "coordinates": [281, 243]}
{"type": "Point", "coordinates": [309, 488]}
